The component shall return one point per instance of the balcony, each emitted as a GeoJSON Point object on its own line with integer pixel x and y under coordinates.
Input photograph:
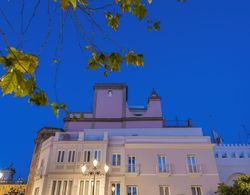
{"type": "Point", "coordinates": [81, 136]}
{"type": "Point", "coordinates": [132, 170]}
{"type": "Point", "coordinates": [164, 171]}
{"type": "Point", "coordinates": [194, 170]}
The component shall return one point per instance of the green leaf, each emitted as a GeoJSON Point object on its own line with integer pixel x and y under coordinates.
{"type": "Point", "coordinates": [10, 82]}
{"type": "Point", "coordinates": [63, 106]}
{"type": "Point", "coordinates": [39, 98]}
{"type": "Point", "coordinates": [65, 4]}
{"type": "Point", "coordinates": [139, 11]}
{"type": "Point", "coordinates": [113, 20]}
{"type": "Point", "coordinates": [25, 63]}
{"type": "Point", "coordinates": [106, 74]}
{"type": "Point", "coordinates": [26, 87]}
{"type": "Point", "coordinates": [157, 25]}
{"type": "Point", "coordinates": [114, 61]}
{"type": "Point", "coordinates": [56, 108]}
{"type": "Point", "coordinates": [133, 58]}
{"type": "Point", "coordinates": [125, 5]}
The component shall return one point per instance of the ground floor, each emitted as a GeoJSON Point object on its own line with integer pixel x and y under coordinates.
{"type": "Point", "coordinates": [181, 184]}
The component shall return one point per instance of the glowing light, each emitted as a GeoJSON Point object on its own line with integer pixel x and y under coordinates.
{"type": "Point", "coordinates": [106, 168]}
{"type": "Point", "coordinates": [95, 163]}
{"type": "Point", "coordinates": [84, 168]}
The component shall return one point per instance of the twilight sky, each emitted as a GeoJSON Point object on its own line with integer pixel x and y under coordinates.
{"type": "Point", "coordinates": [199, 63]}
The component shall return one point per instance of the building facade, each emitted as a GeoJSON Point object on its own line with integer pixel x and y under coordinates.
{"type": "Point", "coordinates": [232, 161]}
{"type": "Point", "coordinates": [146, 154]}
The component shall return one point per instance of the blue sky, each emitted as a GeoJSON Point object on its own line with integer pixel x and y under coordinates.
{"type": "Point", "coordinates": [199, 63]}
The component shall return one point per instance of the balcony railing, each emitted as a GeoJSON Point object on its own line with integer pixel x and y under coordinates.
{"type": "Point", "coordinates": [68, 137]}
{"type": "Point", "coordinates": [167, 170]}
{"type": "Point", "coordinates": [132, 169]}
{"type": "Point", "coordinates": [80, 136]}
{"type": "Point", "coordinates": [194, 169]}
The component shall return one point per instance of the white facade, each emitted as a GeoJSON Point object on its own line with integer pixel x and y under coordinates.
{"type": "Point", "coordinates": [232, 161]}
{"type": "Point", "coordinates": [177, 145]}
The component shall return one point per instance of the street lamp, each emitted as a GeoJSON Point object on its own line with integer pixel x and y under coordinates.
{"type": "Point", "coordinates": [94, 171]}
{"type": "Point", "coordinates": [1, 175]}
{"type": "Point", "coordinates": [113, 189]}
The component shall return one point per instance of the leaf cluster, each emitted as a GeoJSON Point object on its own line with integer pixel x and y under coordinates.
{"type": "Point", "coordinates": [113, 61]}
{"type": "Point", "coordinates": [19, 79]}
{"type": "Point", "coordinates": [241, 186]}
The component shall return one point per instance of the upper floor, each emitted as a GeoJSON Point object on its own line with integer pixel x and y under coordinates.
{"type": "Point", "coordinates": [111, 110]}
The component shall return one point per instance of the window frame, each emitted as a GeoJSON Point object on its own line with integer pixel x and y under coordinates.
{"type": "Point", "coordinates": [116, 164]}
{"type": "Point", "coordinates": [87, 159]}
{"type": "Point", "coordinates": [161, 168]}
{"type": "Point", "coordinates": [133, 187]}
{"type": "Point", "coordinates": [60, 156]}
{"type": "Point", "coordinates": [192, 163]}
{"type": "Point", "coordinates": [97, 157]}
{"type": "Point", "coordinates": [132, 167]}
{"type": "Point", "coordinates": [71, 156]}
{"type": "Point", "coordinates": [115, 184]}
{"type": "Point", "coordinates": [165, 187]}
{"type": "Point", "coordinates": [196, 187]}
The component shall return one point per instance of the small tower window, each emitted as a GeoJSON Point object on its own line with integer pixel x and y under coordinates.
{"type": "Point", "coordinates": [110, 93]}
{"type": "Point", "coordinates": [241, 155]}
{"type": "Point", "coordinates": [224, 155]}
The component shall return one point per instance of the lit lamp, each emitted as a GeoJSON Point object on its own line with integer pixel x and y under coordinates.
{"type": "Point", "coordinates": [94, 171]}
{"type": "Point", "coordinates": [1, 175]}
{"type": "Point", "coordinates": [113, 189]}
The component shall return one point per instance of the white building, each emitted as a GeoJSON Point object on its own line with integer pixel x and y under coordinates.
{"type": "Point", "coordinates": [147, 155]}
{"type": "Point", "coordinates": [232, 161]}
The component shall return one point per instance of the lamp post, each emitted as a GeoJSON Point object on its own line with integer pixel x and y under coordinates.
{"type": "Point", "coordinates": [1, 175]}
{"type": "Point", "coordinates": [94, 171]}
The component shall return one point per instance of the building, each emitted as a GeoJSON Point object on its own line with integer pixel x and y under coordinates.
{"type": "Point", "coordinates": [146, 154]}
{"type": "Point", "coordinates": [232, 161]}
{"type": "Point", "coordinates": [7, 183]}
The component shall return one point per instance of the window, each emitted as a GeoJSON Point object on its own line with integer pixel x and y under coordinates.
{"type": "Point", "coordinates": [61, 187]}
{"type": "Point", "coordinates": [53, 191]}
{"type": "Point", "coordinates": [192, 165]}
{"type": "Point", "coordinates": [60, 156]}
{"type": "Point", "coordinates": [216, 155]}
{"type": "Point", "coordinates": [110, 93]}
{"type": "Point", "coordinates": [196, 190]}
{"type": "Point", "coordinates": [132, 190]}
{"type": "Point", "coordinates": [162, 164]}
{"type": "Point", "coordinates": [115, 189]}
{"type": "Point", "coordinates": [36, 191]}
{"type": "Point", "coordinates": [131, 163]}
{"type": "Point", "coordinates": [224, 155]}
{"type": "Point", "coordinates": [116, 159]}
{"type": "Point", "coordinates": [70, 187]}
{"type": "Point", "coordinates": [241, 155]}
{"type": "Point", "coordinates": [97, 155]}
{"type": "Point", "coordinates": [64, 192]}
{"type": "Point", "coordinates": [164, 190]}
{"type": "Point", "coordinates": [71, 157]}
{"type": "Point", "coordinates": [86, 187]}
{"type": "Point", "coordinates": [86, 156]}
{"type": "Point", "coordinates": [58, 190]}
